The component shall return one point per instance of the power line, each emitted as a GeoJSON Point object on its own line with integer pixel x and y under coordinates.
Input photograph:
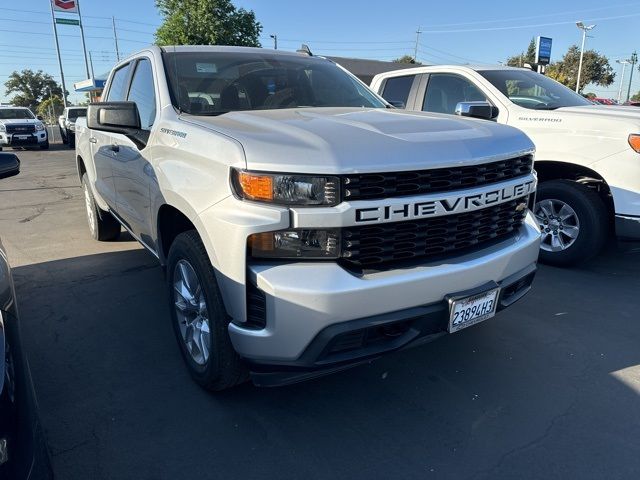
{"type": "Point", "coordinates": [481, 22]}
{"type": "Point", "coordinates": [518, 27]}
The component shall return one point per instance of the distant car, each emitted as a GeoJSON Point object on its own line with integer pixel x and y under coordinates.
{"type": "Point", "coordinates": [19, 127]}
{"type": "Point", "coordinates": [603, 101]}
{"type": "Point", "coordinates": [632, 104]}
{"type": "Point", "coordinates": [67, 124]}
{"type": "Point", "coordinates": [23, 452]}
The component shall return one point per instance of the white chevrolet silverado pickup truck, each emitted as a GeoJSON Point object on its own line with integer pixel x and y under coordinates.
{"type": "Point", "coordinates": [305, 225]}
{"type": "Point", "coordinates": [587, 156]}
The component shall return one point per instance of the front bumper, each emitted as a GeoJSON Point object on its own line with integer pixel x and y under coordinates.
{"type": "Point", "coordinates": [628, 227]}
{"type": "Point", "coordinates": [23, 140]}
{"type": "Point", "coordinates": [305, 299]}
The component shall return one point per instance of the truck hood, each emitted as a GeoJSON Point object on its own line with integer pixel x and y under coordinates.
{"type": "Point", "coordinates": [20, 121]}
{"type": "Point", "coordinates": [356, 140]}
{"type": "Point", "coordinates": [607, 111]}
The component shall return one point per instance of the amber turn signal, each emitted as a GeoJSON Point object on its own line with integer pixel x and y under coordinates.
{"type": "Point", "coordinates": [634, 141]}
{"type": "Point", "coordinates": [256, 187]}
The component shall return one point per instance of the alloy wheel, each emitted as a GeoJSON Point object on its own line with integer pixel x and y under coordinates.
{"type": "Point", "coordinates": [559, 224]}
{"type": "Point", "coordinates": [191, 312]}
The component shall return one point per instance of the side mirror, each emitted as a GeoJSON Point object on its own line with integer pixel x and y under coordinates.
{"type": "Point", "coordinates": [483, 110]}
{"type": "Point", "coordinates": [9, 165]}
{"type": "Point", "coordinates": [114, 117]}
{"type": "Point", "coordinates": [117, 117]}
{"type": "Point", "coordinates": [39, 117]}
{"type": "Point", "coordinates": [397, 103]}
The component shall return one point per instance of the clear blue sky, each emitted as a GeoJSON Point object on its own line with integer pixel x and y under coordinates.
{"type": "Point", "coordinates": [454, 32]}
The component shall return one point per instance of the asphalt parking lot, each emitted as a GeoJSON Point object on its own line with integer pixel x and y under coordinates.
{"type": "Point", "coordinates": [548, 389]}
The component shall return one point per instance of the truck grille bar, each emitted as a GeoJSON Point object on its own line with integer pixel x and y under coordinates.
{"type": "Point", "coordinates": [369, 186]}
{"type": "Point", "coordinates": [377, 245]}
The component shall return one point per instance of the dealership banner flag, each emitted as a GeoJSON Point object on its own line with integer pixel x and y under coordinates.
{"type": "Point", "coordinates": [68, 6]}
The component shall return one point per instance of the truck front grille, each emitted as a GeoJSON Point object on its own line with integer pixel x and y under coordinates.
{"type": "Point", "coordinates": [20, 128]}
{"type": "Point", "coordinates": [376, 245]}
{"type": "Point", "coordinates": [368, 186]}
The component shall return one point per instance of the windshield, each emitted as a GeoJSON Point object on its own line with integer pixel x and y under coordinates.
{"type": "Point", "coordinates": [533, 90]}
{"type": "Point", "coordinates": [77, 112]}
{"type": "Point", "coordinates": [15, 114]}
{"type": "Point", "coordinates": [212, 83]}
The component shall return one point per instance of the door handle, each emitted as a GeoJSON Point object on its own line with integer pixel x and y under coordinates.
{"type": "Point", "coordinates": [93, 140]}
{"type": "Point", "coordinates": [114, 148]}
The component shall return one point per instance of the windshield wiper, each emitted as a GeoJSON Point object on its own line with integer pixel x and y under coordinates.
{"type": "Point", "coordinates": [547, 107]}
{"type": "Point", "coordinates": [211, 114]}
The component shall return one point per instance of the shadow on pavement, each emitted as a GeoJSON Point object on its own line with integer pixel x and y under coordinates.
{"type": "Point", "coordinates": [549, 389]}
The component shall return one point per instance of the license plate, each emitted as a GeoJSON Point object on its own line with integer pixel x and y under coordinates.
{"type": "Point", "coordinates": [468, 311]}
{"type": "Point", "coordinates": [22, 137]}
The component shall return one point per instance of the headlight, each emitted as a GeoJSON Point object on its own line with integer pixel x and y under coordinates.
{"type": "Point", "coordinates": [39, 126]}
{"type": "Point", "coordinates": [634, 141]}
{"type": "Point", "coordinates": [72, 127]}
{"type": "Point", "coordinates": [2, 128]}
{"type": "Point", "coordinates": [286, 189]}
{"type": "Point", "coordinates": [296, 244]}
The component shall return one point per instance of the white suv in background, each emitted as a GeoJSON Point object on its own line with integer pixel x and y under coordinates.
{"type": "Point", "coordinates": [19, 127]}
{"type": "Point", "coordinates": [587, 156]}
{"type": "Point", "coordinates": [67, 124]}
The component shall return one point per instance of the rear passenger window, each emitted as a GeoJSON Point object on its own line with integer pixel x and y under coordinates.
{"type": "Point", "coordinates": [396, 89]}
{"type": "Point", "coordinates": [117, 89]}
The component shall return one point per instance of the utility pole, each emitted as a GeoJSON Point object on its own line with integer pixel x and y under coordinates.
{"type": "Point", "coordinates": [585, 29]}
{"type": "Point", "coordinates": [55, 35]}
{"type": "Point", "coordinates": [634, 60]}
{"type": "Point", "coordinates": [624, 64]}
{"type": "Point", "coordinates": [415, 52]}
{"type": "Point", "coordinates": [84, 47]}
{"type": "Point", "coordinates": [115, 37]}
{"type": "Point", "coordinates": [275, 41]}
{"type": "Point", "coordinates": [91, 63]}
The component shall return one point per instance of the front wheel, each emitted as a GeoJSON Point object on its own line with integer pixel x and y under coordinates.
{"type": "Point", "coordinates": [199, 318]}
{"type": "Point", "coordinates": [573, 221]}
{"type": "Point", "coordinates": [45, 145]}
{"type": "Point", "coordinates": [102, 225]}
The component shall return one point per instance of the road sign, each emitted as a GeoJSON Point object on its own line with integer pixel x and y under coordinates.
{"type": "Point", "coordinates": [69, 6]}
{"type": "Point", "coordinates": [67, 21]}
{"type": "Point", "coordinates": [543, 50]}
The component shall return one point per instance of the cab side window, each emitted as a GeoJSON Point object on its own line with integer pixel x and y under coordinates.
{"type": "Point", "coordinates": [143, 93]}
{"type": "Point", "coordinates": [117, 90]}
{"type": "Point", "coordinates": [396, 89]}
{"type": "Point", "coordinates": [445, 91]}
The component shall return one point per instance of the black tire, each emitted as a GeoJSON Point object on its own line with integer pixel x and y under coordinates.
{"type": "Point", "coordinates": [72, 141]}
{"type": "Point", "coordinates": [45, 146]}
{"type": "Point", "coordinates": [224, 368]}
{"type": "Point", "coordinates": [592, 216]}
{"type": "Point", "coordinates": [104, 227]}
{"type": "Point", "coordinates": [63, 136]}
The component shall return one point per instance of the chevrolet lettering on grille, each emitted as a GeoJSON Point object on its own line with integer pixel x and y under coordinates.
{"type": "Point", "coordinates": [444, 206]}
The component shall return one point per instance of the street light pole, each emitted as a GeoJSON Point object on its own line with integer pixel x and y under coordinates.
{"type": "Point", "coordinates": [275, 41]}
{"type": "Point", "coordinates": [585, 29]}
{"type": "Point", "coordinates": [624, 64]}
{"type": "Point", "coordinates": [634, 60]}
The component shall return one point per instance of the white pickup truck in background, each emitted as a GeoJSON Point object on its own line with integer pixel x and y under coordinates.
{"type": "Point", "coordinates": [587, 156]}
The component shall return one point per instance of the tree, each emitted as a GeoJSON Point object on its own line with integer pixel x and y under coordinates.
{"type": "Point", "coordinates": [525, 57]}
{"type": "Point", "coordinates": [31, 88]}
{"type": "Point", "coordinates": [206, 22]}
{"type": "Point", "coordinates": [636, 97]}
{"type": "Point", "coordinates": [590, 95]}
{"type": "Point", "coordinates": [51, 108]}
{"type": "Point", "coordinates": [595, 69]}
{"type": "Point", "coordinates": [406, 59]}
